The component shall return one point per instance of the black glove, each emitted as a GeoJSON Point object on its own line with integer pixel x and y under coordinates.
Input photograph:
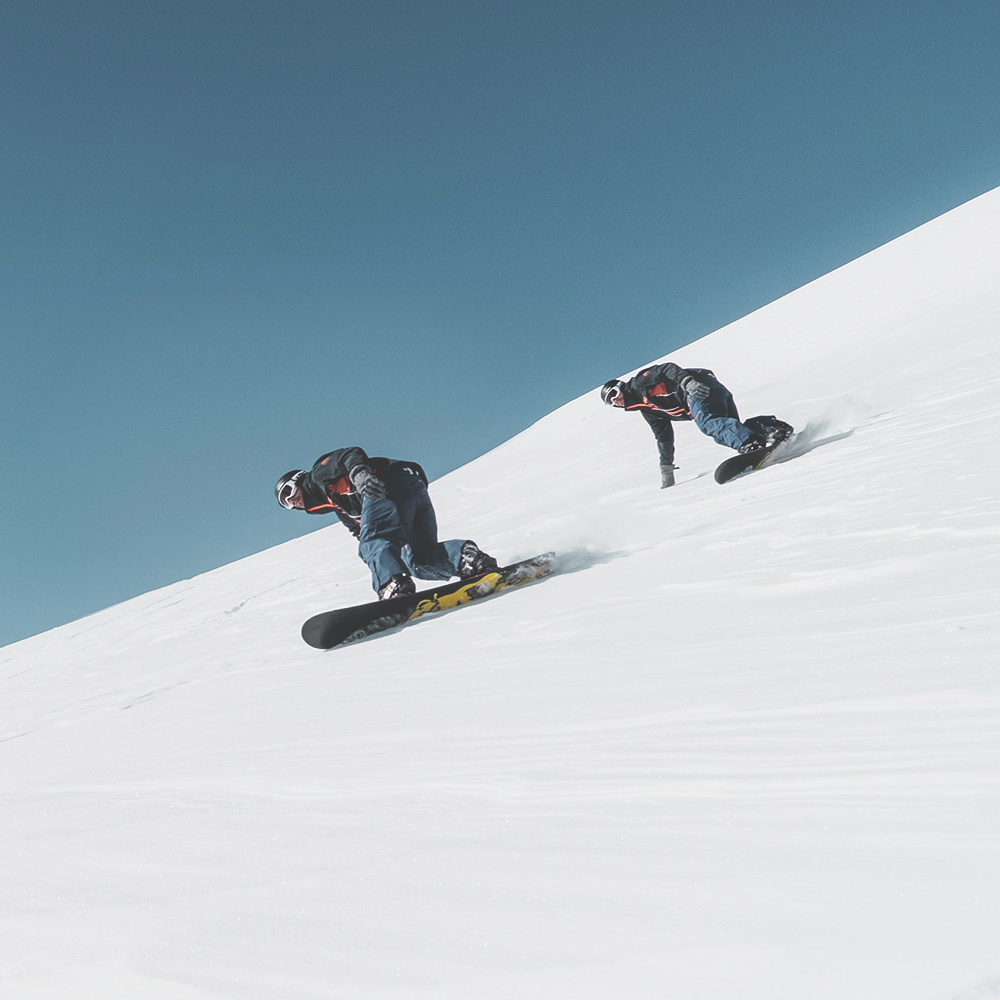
{"type": "Point", "coordinates": [666, 476]}
{"type": "Point", "coordinates": [367, 483]}
{"type": "Point", "coordinates": [690, 386]}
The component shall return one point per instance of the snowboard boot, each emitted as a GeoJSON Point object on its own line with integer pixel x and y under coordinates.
{"type": "Point", "coordinates": [474, 562]}
{"type": "Point", "coordinates": [399, 585]}
{"type": "Point", "coordinates": [754, 443]}
{"type": "Point", "coordinates": [780, 431]}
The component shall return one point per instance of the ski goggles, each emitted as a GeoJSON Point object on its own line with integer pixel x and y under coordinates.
{"type": "Point", "coordinates": [612, 393]}
{"type": "Point", "coordinates": [288, 491]}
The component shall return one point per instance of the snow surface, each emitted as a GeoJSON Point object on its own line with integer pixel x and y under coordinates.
{"type": "Point", "coordinates": [746, 745]}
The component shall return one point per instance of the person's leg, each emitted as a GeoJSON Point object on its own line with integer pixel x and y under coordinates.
{"type": "Point", "coordinates": [385, 529]}
{"type": "Point", "coordinates": [718, 417]}
{"type": "Point", "coordinates": [426, 557]}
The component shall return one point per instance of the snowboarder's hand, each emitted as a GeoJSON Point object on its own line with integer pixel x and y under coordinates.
{"type": "Point", "coordinates": [690, 386]}
{"type": "Point", "coordinates": [367, 483]}
{"type": "Point", "coordinates": [666, 476]}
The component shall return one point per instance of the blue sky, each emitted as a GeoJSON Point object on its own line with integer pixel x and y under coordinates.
{"type": "Point", "coordinates": [235, 235]}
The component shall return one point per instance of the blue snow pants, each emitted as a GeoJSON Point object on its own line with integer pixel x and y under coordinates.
{"type": "Point", "coordinates": [718, 417]}
{"type": "Point", "coordinates": [399, 533]}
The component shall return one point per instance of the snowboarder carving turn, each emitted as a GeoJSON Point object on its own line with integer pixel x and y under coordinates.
{"type": "Point", "coordinates": [666, 392]}
{"type": "Point", "coordinates": [384, 503]}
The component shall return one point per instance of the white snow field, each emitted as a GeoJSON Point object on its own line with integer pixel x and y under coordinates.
{"type": "Point", "coordinates": [746, 745]}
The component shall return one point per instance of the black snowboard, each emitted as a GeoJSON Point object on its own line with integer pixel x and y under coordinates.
{"type": "Point", "coordinates": [344, 625]}
{"type": "Point", "coordinates": [742, 465]}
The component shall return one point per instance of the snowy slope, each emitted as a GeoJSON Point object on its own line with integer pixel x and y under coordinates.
{"type": "Point", "coordinates": [747, 745]}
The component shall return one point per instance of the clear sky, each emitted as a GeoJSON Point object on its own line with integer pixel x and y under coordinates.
{"type": "Point", "coordinates": [235, 235]}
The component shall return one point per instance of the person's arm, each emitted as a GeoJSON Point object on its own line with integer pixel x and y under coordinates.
{"type": "Point", "coordinates": [658, 380]}
{"type": "Point", "coordinates": [337, 465]}
{"type": "Point", "coordinates": [661, 380]}
{"type": "Point", "coordinates": [663, 430]}
{"type": "Point", "coordinates": [333, 489]}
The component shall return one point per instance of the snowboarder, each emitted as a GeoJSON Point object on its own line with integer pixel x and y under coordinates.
{"type": "Point", "coordinates": [385, 505]}
{"type": "Point", "coordinates": [664, 393]}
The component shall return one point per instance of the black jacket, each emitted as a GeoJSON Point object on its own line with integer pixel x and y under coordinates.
{"type": "Point", "coordinates": [327, 487]}
{"type": "Point", "coordinates": [656, 393]}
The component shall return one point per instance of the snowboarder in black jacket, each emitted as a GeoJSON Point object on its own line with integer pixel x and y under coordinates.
{"type": "Point", "coordinates": [384, 503]}
{"type": "Point", "coordinates": [666, 392]}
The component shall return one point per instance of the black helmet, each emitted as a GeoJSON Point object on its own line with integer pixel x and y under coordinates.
{"type": "Point", "coordinates": [286, 487]}
{"type": "Point", "coordinates": [611, 390]}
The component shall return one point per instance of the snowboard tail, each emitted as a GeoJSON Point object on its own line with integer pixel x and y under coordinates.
{"type": "Point", "coordinates": [344, 625]}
